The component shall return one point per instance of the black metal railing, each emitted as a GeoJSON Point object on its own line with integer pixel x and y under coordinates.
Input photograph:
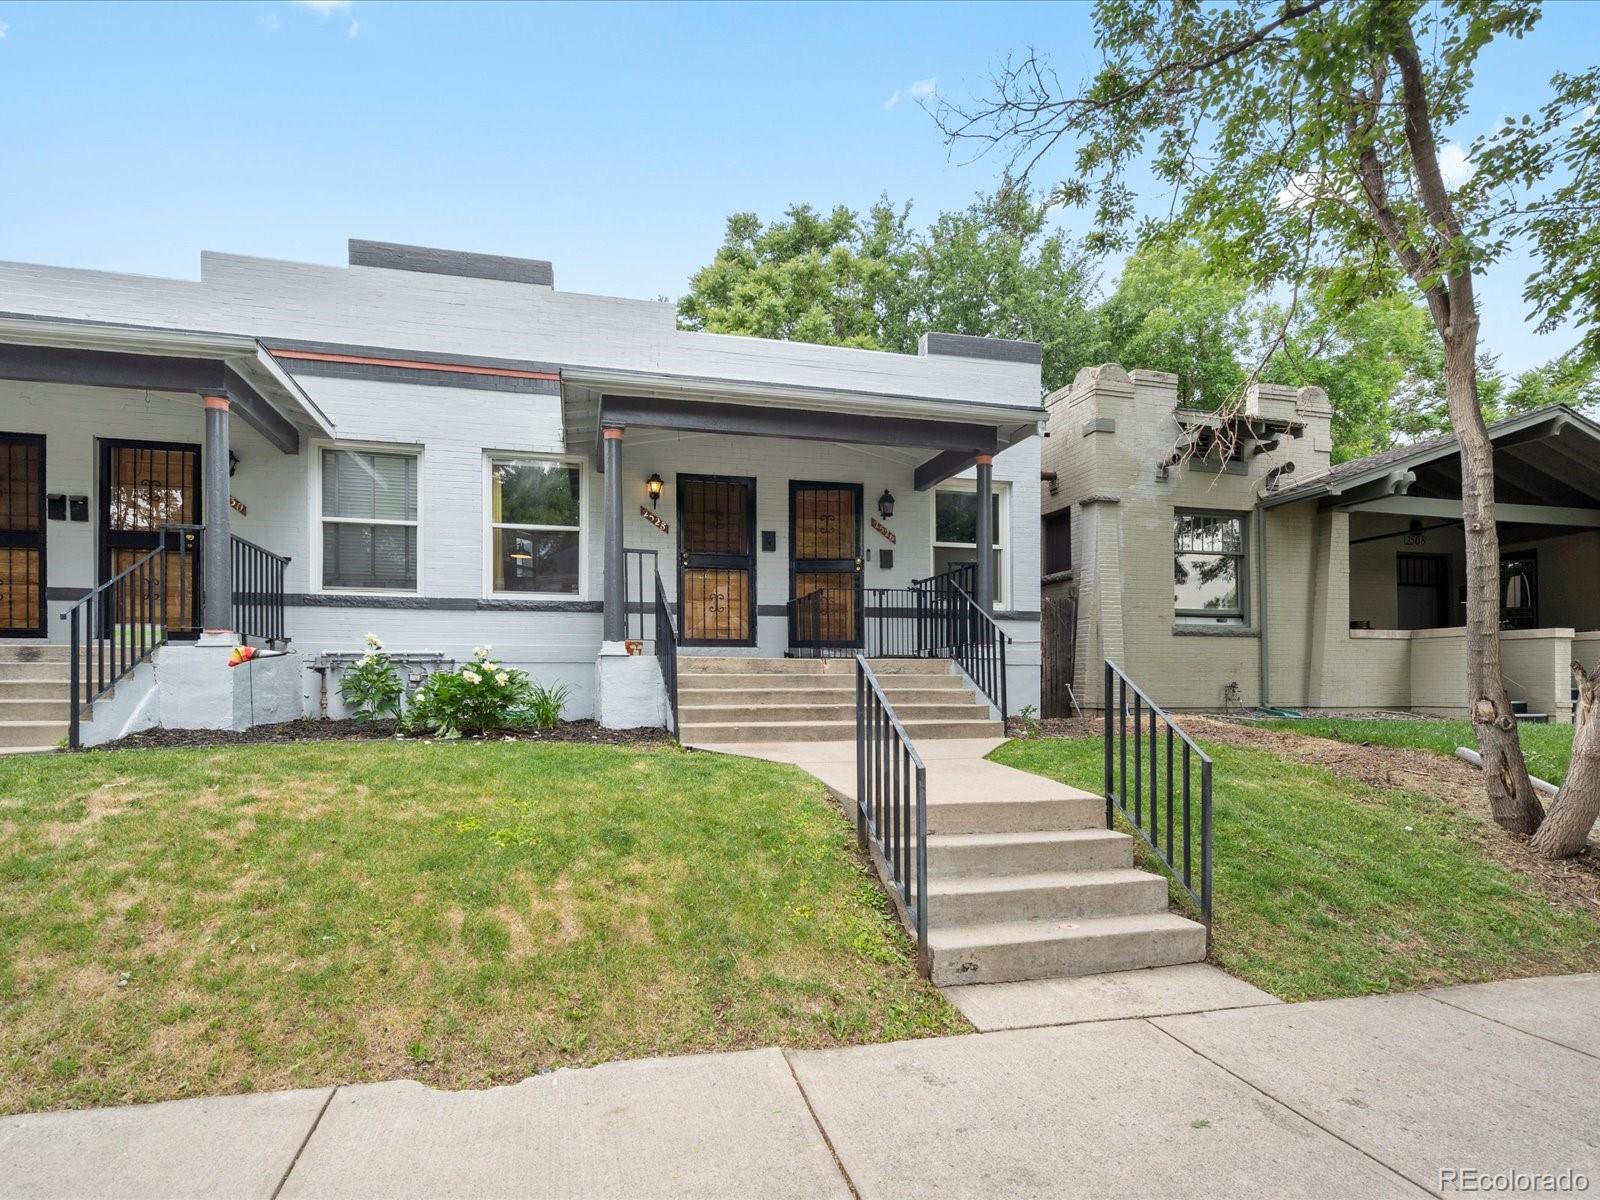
{"type": "Point", "coordinates": [258, 576]}
{"type": "Point", "coordinates": [667, 650]}
{"type": "Point", "coordinates": [640, 571]}
{"type": "Point", "coordinates": [892, 801]}
{"type": "Point", "coordinates": [938, 621]}
{"type": "Point", "coordinates": [1151, 807]}
{"type": "Point", "coordinates": [125, 620]}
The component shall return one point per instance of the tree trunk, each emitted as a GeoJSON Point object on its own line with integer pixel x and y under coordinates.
{"type": "Point", "coordinates": [1572, 813]}
{"type": "Point", "coordinates": [1511, 797]}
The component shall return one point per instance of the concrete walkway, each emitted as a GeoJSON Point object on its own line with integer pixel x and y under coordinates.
{"type": "Point", "coordinates": [1380, 1096]}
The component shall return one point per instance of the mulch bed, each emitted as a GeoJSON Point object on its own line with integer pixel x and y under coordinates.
{"type": "Point", "coordinates": [1572, 881]}
{"type": "Point", "coordinates": [325, 729]}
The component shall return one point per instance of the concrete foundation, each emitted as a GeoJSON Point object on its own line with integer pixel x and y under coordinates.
{"type": "Point", "coordinates": [628, 690]}
{"type": "Point", "coordinates": [197, 689]}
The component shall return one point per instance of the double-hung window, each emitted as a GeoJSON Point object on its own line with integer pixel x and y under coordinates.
{"type": "Point", "coordinates": [535, 525]}
{"type": "Point", "coordinates": [369, 520]}
{"type": "Point", "coordinates": [1208, 568]}
{"type": "Point", "coordinates": [955, 533]}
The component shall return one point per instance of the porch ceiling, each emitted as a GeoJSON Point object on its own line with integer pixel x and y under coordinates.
{"type": "Point", "coordinates": [1547, 472]}
{"type": "Point", "coordinates": [87, 354]}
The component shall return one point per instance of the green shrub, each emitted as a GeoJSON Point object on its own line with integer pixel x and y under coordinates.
{"type": "Point", "coordinates": [371, 686]}
{"type": "Point", "coordinates": [478, 697]}
{"type": "Point", "coordinates": [545, 705]}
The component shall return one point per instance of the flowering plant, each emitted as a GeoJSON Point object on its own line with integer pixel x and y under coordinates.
{"type": "Point", "coordinates": [371, 686]}
{"type": "Point", "coordinates": [481, 696]}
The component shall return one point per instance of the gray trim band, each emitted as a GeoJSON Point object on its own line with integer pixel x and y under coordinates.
{"type": "Point", "coordinates": [441, 603]}
{"type": "Point", "coordinates": [961, 345]}
{"type": "Point", "coordinates": [430, 260]}
{"type": "Point", "coordinates": [66, 594]}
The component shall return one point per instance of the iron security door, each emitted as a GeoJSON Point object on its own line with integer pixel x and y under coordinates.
{"type": "Point", "coordinates": [143, 487]}
{"type": "Point", "coordinates": [717, 560]}
{"type": "Point", "coordinates": [22, 526]}
{"type": "Point", "coordinates": [825, 558]}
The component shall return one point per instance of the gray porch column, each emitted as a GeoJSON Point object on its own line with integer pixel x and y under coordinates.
{"type": "Point", "coordinates": [216, 576]}
{"type": "Point", "coordinates": [616, 567]}
{"type": "Point", "coordinates": [985, 596]}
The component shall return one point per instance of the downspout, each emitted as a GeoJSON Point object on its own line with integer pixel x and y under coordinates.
{"type": "Point", "coordinates": [1261, 642]}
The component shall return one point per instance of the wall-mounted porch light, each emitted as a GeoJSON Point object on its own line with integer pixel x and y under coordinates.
{"type": "Point", "coordinates": [233, 463]}
{"type": "Point", "coordinates": [652, 487]}
{"type": "Point", "coordinates": [886, 505]}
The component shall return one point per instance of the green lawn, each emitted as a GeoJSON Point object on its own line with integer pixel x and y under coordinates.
{"type": "Point", "coordinates": [1325, 887]}
{"type": "Point", "coordinates": [1546, 747]}
{"type": "Point", "coordinates": [183, 922]}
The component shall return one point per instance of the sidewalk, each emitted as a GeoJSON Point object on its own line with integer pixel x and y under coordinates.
{"type": "Point", "coordinates": [1342, 1098]}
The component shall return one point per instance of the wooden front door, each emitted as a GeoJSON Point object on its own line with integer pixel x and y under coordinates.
{"type": "Point", "coordinates": [825, 557]}
{"type": "Point", "coordinates": [144, 486]}
{"type": "Point", "coordinates": [22, 578]}
{"type": "Point", "coordinates": [716, 560]}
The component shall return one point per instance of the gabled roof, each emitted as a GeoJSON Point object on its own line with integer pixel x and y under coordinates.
{"type": "Point", "coordinates": [1541, 422]}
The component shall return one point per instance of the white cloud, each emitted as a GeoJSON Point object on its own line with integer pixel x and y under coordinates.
{"type": "Point", "coordinates": [920, 90]}
{"type": "Point", "coordinates": [324, 6]}
{"type": "Point", "coordinates": [355, 28]}
{"type": "Point", "coordinates": [1454, 164]}
{"type": "Point", "coordinates": [3, 28]}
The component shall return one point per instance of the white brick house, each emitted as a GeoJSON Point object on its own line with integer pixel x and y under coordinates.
{"type": "Point", "coordinates": [450, 452]}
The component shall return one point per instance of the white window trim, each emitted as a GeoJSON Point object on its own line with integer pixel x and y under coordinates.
{"type": "Point", "coordinates": [490, 525]}
{"type": "Point", "coordinates": [317, 518]}
{"type": "Point", "coordinates": [1002, 532]}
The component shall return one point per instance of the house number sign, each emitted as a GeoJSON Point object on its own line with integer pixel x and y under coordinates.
{"type": "Point", "coordinates": [659, 522]}
{"type": "Point", "coordinates": [238, 506]}
{"type": "Point", "coordinates": [883, 529]}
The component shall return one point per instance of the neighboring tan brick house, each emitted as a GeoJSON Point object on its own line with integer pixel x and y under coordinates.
{"type": "Point", "coordinates": [1228, 564]}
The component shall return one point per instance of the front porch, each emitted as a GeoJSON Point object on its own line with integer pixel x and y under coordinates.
{"type": "Point", "coordinates": [778, 533]}
{"type": "Point", "coordinates": [1393, 636]}
{"type": "Point", "coordinates": [144, 475]}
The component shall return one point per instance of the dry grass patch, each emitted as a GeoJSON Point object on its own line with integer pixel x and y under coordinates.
{"type": "Point", "coordinates": [187, 922]}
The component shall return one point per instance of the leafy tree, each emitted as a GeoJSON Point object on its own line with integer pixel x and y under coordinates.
{"type": "Point", "coordinates": [1299, 140]}
{"type": "Point", "coordinates": [834, 279]}
{"type": "Point", "coordinates": [1170, 311]}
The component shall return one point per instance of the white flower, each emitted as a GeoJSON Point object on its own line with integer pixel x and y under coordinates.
{"type": "Point", "coordinates": [502, 678]}
{"type": "Point", "coordinates": [481, 652]}
{"type": "Point", "coordinates": [489, 666]}
{"type": "Point", "coordinates": [471, 676]}
{"type": "Point", "coordinates": [373, 643]}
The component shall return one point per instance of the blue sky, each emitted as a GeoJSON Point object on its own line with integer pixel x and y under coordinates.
{"type": "Point", "coordinates": [613, 140]}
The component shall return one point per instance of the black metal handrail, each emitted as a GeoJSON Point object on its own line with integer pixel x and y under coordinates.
{"type": "Point", "coordinates": [980, 650]}
{"type": "Point", "coordinates": [667, 650]}
{"type": "Point", "coordinates": [122, 622]}
{"type": "Point", "coordinates": [638, 604]}
{"type": "Point", "coordinates": [962, 575]}
{"type": "Point", "coordinates": [1118, 795]}
{"type": "Point", "coordinates": [258, 605]}
{"type": "Point", "coordinates": [892, 800]}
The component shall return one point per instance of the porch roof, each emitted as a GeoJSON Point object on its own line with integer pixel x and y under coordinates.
{"type": "Point", "coordinates": [1547, 466]}
{"type": "Point", "coordinates": [39, 349]}
{"type": "Point", "coordinates": [953, 432]}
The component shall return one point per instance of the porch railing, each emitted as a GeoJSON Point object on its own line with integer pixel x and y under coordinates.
{"type": "Point", "coordinates": [939, 620]}
{"type": "Point", "coordinates": [125, 620]}
{"type": "Point", "coordinates": [667, 650]}
{"type": "Point", "coordinates": [258, 575]}
{"type": "Point", "coordinates": [1178, 838]}
{"type": "Point", "coordinates": [641, 569]}
{"type": "Point", "coordinates": [892, 800]}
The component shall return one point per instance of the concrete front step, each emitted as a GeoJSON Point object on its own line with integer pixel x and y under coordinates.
{"type": "Point", "coordinates": [13, 751]}
{"type": "Point", "coordinates": [32, 733]}
{"type": "Point", "coordinates": [751, 697]}
{"type": "Point", "coordinates": [1011, 950]}
{"type": "Point", "coordinates": [1054, 895]}
{"type": "Point", "coordinates": [1007, 814]}
{"type": "Point", "coordinates": [31, 687]}
{"type": "Point", "coordinates": [982, 855]}
{"type": "Point", "coordinates": [770, 714]}
{"type": "Point", "coordinates": [34, 709]}
{"type": "Point", "coordinates": [37, 652]}
{"type": "Point", "coordinates": [699, 664]}
{"type": "Point", "coordinates": [711, 733]}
